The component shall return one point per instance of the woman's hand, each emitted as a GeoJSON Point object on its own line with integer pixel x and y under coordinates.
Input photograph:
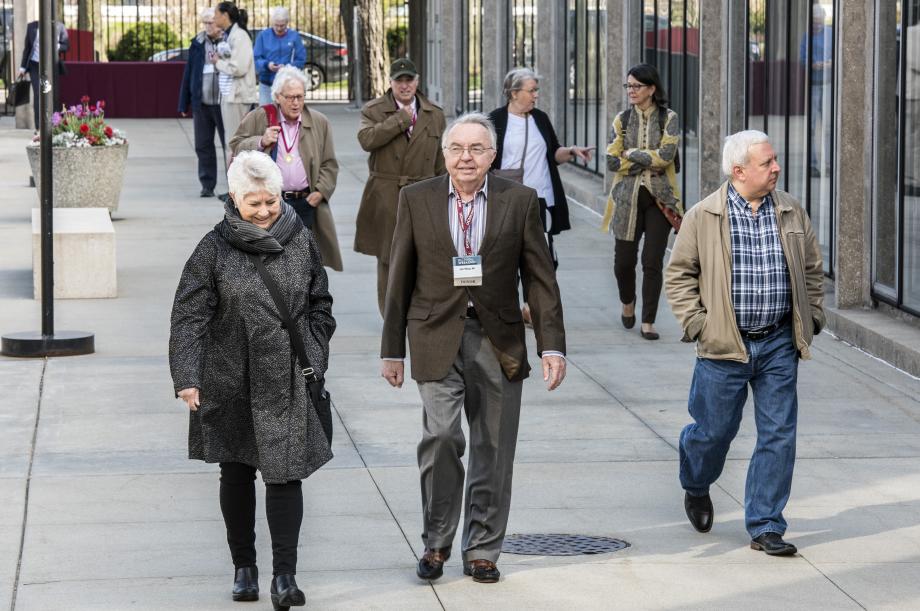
{"type": "Point", "coordinates": [583, 152]}
{"type": "Point", "coordinates": [190, 396]}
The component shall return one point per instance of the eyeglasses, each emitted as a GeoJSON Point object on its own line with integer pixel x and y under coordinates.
{"type": "Point", "coordinates": [531, 91]}
{"type": "Point", "coordinates": [633, 87]}
{"type": "Point", "coordinates": [476, 150]}
{"type": "Point", "coordinates": [292, 98]}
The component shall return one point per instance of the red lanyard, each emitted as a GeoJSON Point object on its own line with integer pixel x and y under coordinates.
{"type": "Point", "coordinates": [466, 223]}
{"type": "Point", "coordinates": [288, 149]}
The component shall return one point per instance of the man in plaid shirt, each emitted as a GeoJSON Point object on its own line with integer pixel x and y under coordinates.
{"type": "Point", "coordinates": [745, 282]}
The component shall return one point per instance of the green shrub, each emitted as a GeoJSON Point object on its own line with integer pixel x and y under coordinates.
{"type": "Point", "coordinates": [143, 40]}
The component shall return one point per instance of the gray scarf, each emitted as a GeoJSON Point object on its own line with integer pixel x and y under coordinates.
{"type": "Point", "coordinates": [250, 238]}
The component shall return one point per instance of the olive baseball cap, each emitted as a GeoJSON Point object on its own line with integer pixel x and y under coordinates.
{"type": "Point", "coordinates": [402, 67]}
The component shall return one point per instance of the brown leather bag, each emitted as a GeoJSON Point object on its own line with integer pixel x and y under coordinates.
{"type": "Point", "coordinates": [673, 218]}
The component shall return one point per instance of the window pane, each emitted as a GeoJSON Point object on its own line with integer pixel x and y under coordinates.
{"type": "Point", "coordinates": [885, 202]}
{"type": "Point", "coordinates": [821, 54]}
{"type": "Point", "coordinates": [795, 93]}
{"type": "Point", "coordinates": [649, 29]}
{"type": "Point", "coordinates": [777, 35]}
{"type": "Point", "coordinates": [756, 67]}
{"type": "Point", "coordinates": [690, 162]}
{"type": "Point", "coordinates": [910, 233]}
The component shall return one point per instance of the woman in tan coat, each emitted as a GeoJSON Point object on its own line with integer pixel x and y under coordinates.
{"type": "Point", "coordinates": [234, 62]}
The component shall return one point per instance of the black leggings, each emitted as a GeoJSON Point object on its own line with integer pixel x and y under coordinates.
{"type": "Point", "coordinates": [651, 222]}
{"type": "Point", "coordinates": [283, 508]}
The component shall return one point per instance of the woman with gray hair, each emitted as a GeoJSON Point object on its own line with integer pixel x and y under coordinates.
{"type": "Point", "coordinates": [236, 362]}
{"type": "Point", "coordinates": [276, 47]}
{"type": "Point", "coordinates": [529, 151]}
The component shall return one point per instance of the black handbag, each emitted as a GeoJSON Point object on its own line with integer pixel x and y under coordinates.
{"type": "Point", "coordinates": [320, 397]}
{"type": "Point", "coordinates": [22, 92]}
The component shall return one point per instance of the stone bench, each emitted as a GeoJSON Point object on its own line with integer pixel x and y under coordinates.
{"type": "Point", "coordinates": [84, 254]}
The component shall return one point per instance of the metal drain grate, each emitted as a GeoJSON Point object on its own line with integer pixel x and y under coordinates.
{"type": "Point", "coordinates": [561, 545]}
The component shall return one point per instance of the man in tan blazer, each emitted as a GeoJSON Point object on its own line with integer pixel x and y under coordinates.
{"type": "Point", "coordinates": [402, 132]}
{"type": "Point", "coordinates": [460, 243]}
{"type": "Point", "coordinates": [300, 142]}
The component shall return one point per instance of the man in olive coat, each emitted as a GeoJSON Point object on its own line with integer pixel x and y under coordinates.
{"type": "Point", "coordinates": [402, 131]}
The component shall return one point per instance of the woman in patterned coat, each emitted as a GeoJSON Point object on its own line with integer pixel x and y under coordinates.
{"type": "Point", "coordinates": [232, 363]}
{"type": "Point", "coordinates": [642, 158]}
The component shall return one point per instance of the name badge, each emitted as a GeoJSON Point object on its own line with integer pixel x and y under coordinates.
{"type": "Point", "coordinates": [468, 271]}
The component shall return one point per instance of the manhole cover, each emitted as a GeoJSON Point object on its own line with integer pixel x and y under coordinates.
{"type": "Point", "coordinates": [561, 545]}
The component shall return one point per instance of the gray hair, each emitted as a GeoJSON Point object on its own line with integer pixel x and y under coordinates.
{"type": "Point", "coordinates": [280, 13]}
{"type": "Point", "coordinates": [737, 147]}
{"type": "Point", "coordinates": [206, 13]}
{"type": "Point", "coordinates": [251, 172]}
{"type": "Point", "coordinates": [283, 76]}
{"type": "Point", "coordinates": [514, 80]}
{"type": "Point", "coordinates": [471, 118]}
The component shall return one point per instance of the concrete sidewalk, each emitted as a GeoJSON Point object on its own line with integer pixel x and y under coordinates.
{"type": "Point", "coordinates": [101, 509]}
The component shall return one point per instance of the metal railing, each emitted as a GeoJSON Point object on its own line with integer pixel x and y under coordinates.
{"type": "Point", "coordinates": [8, 63]}
{"type": "Point", "coordinates": [522, 23]}
{"type": "Point", "coordinates": [586, 75]}
{"type": "Point", "coordinates": [471, 69]}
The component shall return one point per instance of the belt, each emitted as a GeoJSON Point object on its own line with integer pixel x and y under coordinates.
{"type": "Point", "coordinates": [294, 194]}
{"type": "Point", "coordinates": [402, 180]}
{"type": "Point", "coordinates": [763, 332]}
{"type": "Point", "coordinates": [471, 312]}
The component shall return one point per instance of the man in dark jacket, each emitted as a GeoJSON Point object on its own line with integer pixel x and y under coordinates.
{"type": "Point", "coordinates": [200, 92]}
{"type": "Point", "coordinates": [29, 63]}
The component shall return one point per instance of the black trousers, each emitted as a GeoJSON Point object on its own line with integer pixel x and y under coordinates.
{"type": "Point", "coordinates": [651, 223]}
{"type": "Point", "coordinates": [544, 217]}
{"type": "Point", "coordinates": [206, 119]}
{"type": "Point", "coordinates": [283, 508]}
{"type": "Point", "coordinates": [34, 77]}
{"type": "Point", "coordinates": [305, 211]}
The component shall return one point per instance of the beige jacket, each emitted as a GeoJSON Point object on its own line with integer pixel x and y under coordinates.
{"type": "Point", "coordinates": [241, 66]}
{"type": "Point", "coordinates": [698, 279]}
{"type": "Point", "coordinates": [318, 154]}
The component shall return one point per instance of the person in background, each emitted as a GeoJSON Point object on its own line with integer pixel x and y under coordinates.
{"type": "Point", "coordinates": [233, 364]}
{"type": "Point", "coordinates": [276, 47]}
{"type": "Point", "coordinates": [641, 158]}
{"type": "Point", "coordinates": [233, 60]}
{"type": "Point", "coordinates": [402, 132]}
{"type": "Point", "coordinates": [521, 123]}
{"type": "Point", "coordinates": [200, 94]}
{"type": "Point", "coordinates": [299, 139]}
{"type": "Point", "coordinates": [29, 64]}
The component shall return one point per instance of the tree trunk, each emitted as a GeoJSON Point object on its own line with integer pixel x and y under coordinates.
{"type": "Point", "coordinates": [372, 54]}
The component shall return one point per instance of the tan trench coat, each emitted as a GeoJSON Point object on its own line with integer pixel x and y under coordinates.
{"type": "Point", "coordinates": [698, 279]}
{"type": "Point", "coordinates": [394, 162]}
{"type": "Point", "coordinates": [317, 150]}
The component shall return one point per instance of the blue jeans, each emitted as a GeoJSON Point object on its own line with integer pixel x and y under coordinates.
{"type": "Point", "coordinates": [717, 396]}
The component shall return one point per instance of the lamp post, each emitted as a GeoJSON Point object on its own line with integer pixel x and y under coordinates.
{"type": "Point", "coordinates": [47, 342]}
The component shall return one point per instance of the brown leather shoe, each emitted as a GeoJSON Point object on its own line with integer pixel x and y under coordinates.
{"type": "Point", "coordinates": [431, 564]}
{"type": "Point", "coordinates": [482, 571]}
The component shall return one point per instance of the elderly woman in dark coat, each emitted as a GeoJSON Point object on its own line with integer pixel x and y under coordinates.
{"type": "Point", "coordinates": [233, 364]}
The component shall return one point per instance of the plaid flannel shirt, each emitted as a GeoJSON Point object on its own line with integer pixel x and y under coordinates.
{"type": "Point", "coordinates": [761, 289]}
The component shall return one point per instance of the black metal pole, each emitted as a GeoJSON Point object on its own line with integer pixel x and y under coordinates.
{"type": "Point", "coordinates": [47, 343]}
{"type": "Point", "coordinates": [47, 37]}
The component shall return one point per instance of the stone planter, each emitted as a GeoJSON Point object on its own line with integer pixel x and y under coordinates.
{"type": "Point", "coordinates": [84, 177]}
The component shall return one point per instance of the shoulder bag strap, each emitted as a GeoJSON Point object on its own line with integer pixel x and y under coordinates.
{"type": "Point", "coordinates": [526, 134]}
{"type": "Point", "coordinates": [293, 331]}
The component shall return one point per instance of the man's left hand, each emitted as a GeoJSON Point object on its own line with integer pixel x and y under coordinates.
{"type": "Point", "coordinates": [553, 371]}
{"type": "Point", "coordinates": [315, 199]}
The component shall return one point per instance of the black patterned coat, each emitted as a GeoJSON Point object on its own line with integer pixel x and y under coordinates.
{"type": "Point", "coordinates": [227, 340]}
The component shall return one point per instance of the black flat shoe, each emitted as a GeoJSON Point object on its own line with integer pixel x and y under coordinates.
{"type": "Point", "coordinates": [286, 594]}
{"type": "Point", "coordinates": [629, 321]}
{"type": "Point", "coordinates": [699, 512]}
{"type": "Point", "coordinates": [246, 584]}
{"type": "Point", "coordinates": [482, 571]}
{"type": "Point", "coordinates": [772, 544]}
{"type": "Point", "coordinates": [206, 193]}
{"type": "Point", "coordinates": [431, 564]}
{"type": "Point", "coordinates": [649, 334]}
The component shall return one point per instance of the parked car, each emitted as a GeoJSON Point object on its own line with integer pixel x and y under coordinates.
{"type": "Point", "coordinates": [327, 61]}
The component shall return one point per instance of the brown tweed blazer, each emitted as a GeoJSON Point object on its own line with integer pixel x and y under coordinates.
{"type": "Point", "coordinates": [421, 296]}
